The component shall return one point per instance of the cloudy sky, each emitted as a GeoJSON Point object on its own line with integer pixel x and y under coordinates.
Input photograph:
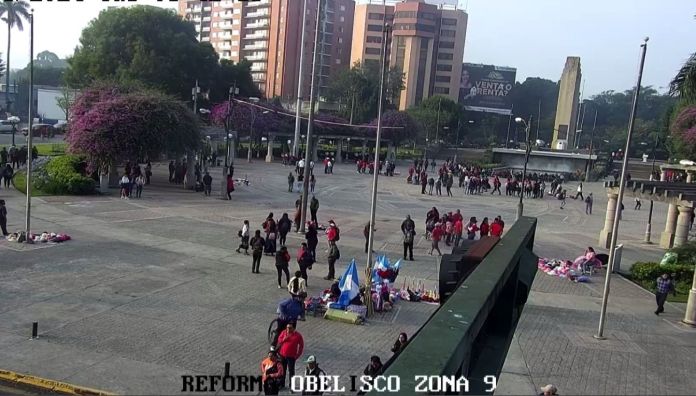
{"type": "Point", "coordinates": [535, 36]}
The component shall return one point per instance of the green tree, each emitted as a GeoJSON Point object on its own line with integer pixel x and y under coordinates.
{"type": "Point", "coordinates": [12, 13]}
{"type": "Point", "coordinates": [426, 114]}
{"type": "Point", "coordinates": [143, 43]}
{"type": "Point", "coordinates": [527, 96]}
{"type": "Point", "coordinates": [47, 59]}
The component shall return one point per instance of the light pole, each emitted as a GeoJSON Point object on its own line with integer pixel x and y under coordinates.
{"type": "Point", "coordinates": [300, 81]}
{"type": "Point", "coordinates": [13, 120]}
{"type": "Point", "coordinates": [254, 116]}
{"type": "Point", "coordinates": [373, 203]}
{"type": "Point", "coordinates": [310, 120]}
{"type": "Point", "coordinates": [622, 187]}
{"type": "Point", "coordinates": [437, 125]}
{"type": "Point", "coordinates": [30, 155]}
{"type": "Point", "coordinates": [589, 157]}
{"type": "Point", "coordinates": [528, 150]}
{"type": "Point", "coordinates": [648, 228]}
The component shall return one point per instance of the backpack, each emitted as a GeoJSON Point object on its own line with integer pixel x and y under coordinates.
{"type": "Point", "coordinates": [338, 235]}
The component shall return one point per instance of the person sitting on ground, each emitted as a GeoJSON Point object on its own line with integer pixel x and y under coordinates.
{"type": "Point", "coordinates": [400, 343]}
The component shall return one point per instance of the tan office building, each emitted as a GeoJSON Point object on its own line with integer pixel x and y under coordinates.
{"type": "Point", "coordinates": [427, 44]}
{"type": "Point", "coordinates": [268, 34]}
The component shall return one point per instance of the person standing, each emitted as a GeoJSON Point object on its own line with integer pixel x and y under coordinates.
{"type": "Point", "coordinates": [257, 243]}
{"type": "Point", "coordinates": [7, 174]}
{"type": "Point", "coordinates": [312, 238]}
{"type": "Point", "coordinates": [3, 218]}
{"type": "Point", "coordinates": [291, 347]}
{"type": "Point", "coordinates": [305, 259]}
{"type": "Point", "coordinates": [409, 235]}
{"type": "Point", "coordinates": [314, 208]}
{"type": "Point", "coordinates": [291, 181]}
{"type": "Point", "coordinates": [334, 255]}
{"type": "Point", "coordinates": [282, 263]}
{"type": "Point", "coordinates": [471, 229]}
{"type": "Point", "coordinates": [298, 213]}
{"type": "Point", "coordinates": [244, 234]}
{"type": "Point", "coordinates": [431, 183]}
{"type": "Point", "coordinates": [125, 182]}
{"type": "Point", "coordinates": [458, 229]}
{"type": "Point", "coordinates": [172, 168]}
{"type": "Point", "coordinates": [312, 369]}
{"type": "Point", "coordinates": [312, 183]}
{"type": "Point", "coordinates": [588, 204]}
{"type": "Point", "coordinates": [423, 181]}
{"type": "Point", "coordinates": [449, 183]}
{"type": "Point", "coordinates": [139, 183]}
{"type": "Point", "coordinates": [579, 192]}
{"type": "Point", "coordinates": [438, 186]}
{"type": "Point", "coordinates": [485, 228]}
{"type": "Point", "coordinates": [207, 184]}
{"type": "Point", "coordinates": [284, 226]}
{"type": "Point", "coordinates": [664, 287]}
{"type": "Point", "coordinates": [496, 228]}
{"type": "Point", "coordinates": [272, 373]}
{"type": "Point", "coordinates": [230, 187]}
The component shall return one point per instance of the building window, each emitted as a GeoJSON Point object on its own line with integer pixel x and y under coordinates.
{"type": "Point", "coordinates": [447, 33]}
{"type": "Point", "coordinates": [444, 68]}
{"type": "Point", "coordinates": [338, 61]}
{"type": "Point", "coordinates": [413, 14]}
{"type": "Point", "coordinates": [449, 22]}
{"type": "Point", "coordinates": [373, 51]}
{"type": "Point", "coordinates": [342, 18]}
{"type": "Point", "coordinates": [374, 39]}
{"type": "Point", "coordinates": [441, 90]}
{"type": "Point", "coordinates": [443, 79]}
{"type": "Point", "coordinates": [340, 40]}
{"type": "Point", "coordinates": [444, 56]}
{"type": "Point", "coordinates": [446, 44]}
{"type": "Point", "coordinates": [375, 16]}
{"type": "Point", "coordinates": [343, 8]}
{"type": "Point", "coordinates": [374, 28]}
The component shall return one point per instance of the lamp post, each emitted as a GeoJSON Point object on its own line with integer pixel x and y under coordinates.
{"type": "Point", "coordinates": [528, 150]}
{"type": "Point", "coordinates": [648, 227]}
{"type": "Point", "coordinates": [310, 120]}
{"type": "Point", "coordinates": [300, 81]}
{"type": "Point", "coordinates": [13, 120]}
{"type": "Point", "coordinates": [622, 187]}
{"type": "Point", "coordinates": [373, 203]}
{"type": "Point", "coordinates": [30, 156]}
{"type": "Point", "coordinates": [589, 157]}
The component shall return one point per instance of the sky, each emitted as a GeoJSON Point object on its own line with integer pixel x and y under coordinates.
{"type": "Point", "coordinates": [534, 36]}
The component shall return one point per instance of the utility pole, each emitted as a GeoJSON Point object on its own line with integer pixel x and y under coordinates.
{"type": "Point", "coordinates": [300, 81]}
{"type": "Point", "coordinates": [589, 157]}
{"type": "Point", "coordinates": [310, 120]}
{"type": "Point", "coordinates": [622, 187]}
{"type": "Point", "coordinates": [648, 228]}
{"type": "Point", "coordinates": [437, 126]}
{"type": "Point", "coordinates": [373, 202]}
{"type": "Point", "coordinates": [538, 120]}
{"type": "Point", "coordinates": [507, 138]}
{"type": "Point", "coordinates": [30, 156]}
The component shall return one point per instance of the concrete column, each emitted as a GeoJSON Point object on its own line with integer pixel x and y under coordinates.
{"type": "Point", "coordinates": [605, 234]}
{"type": "Point", "coordinates": [681, 235]}
{"type": "Point", "coordinates": [663, 176]}
{"type": "Point", "coordinates": [689, 176]}
{"type": "Point", "coordinates": [114, 177]}
{"type": "Point", "coordinates": [315, 149]}
{"type": "Point", "coordinates": [690, 316]}
{"type": "Point", "coordinates": [667, 237]}
{"type": "Point", "coordinates": [269, 154]}
{"type": "Point", "coordinates": [339, 151]}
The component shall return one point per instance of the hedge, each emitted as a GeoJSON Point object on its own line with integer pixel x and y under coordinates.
{"type": "Point", "coordinates": [646, 274]}
{"type": "Point", "coordinates": [60, 175]}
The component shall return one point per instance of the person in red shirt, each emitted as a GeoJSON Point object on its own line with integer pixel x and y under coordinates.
{"type": "Point", "coordinates": [471, 229]}
{"type": "Point", "coordinates": [271, 372]}
{"type": "Point", "coordinates": [485, 227]}
{"type": "Point", "coordinates": [497, 228]}
{"type": "Point", "coordinates": [435, 238]}
{"type": "Point", "coordinates": [457, 216]}
{"type": "Point", "coordinates": [290, 347]}
{"type": "Point", "coordinates": [458, 229]}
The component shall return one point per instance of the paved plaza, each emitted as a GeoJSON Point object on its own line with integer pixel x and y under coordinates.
{"type": "Point", "coordinates": [150, 289]}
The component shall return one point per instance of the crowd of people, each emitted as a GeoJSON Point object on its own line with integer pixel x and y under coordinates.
{"type": "Point", "coordinates": [134, 178]}
{"type": "Point", "coordinates": [452, 228]}
{"type": "Point", "coordinates": [17, 157]}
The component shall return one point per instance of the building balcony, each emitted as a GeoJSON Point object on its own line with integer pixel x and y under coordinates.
{"type": "Point", "coordinates": [256, 36]}
{"type": "Point", "coordinates": [256, 58]}
{"type": "Point", "coordinates": [256, 47]}
{"type": "Point", "coordinates": [257, 25]}
{"type": "Point", "coordinates": [262, 13]}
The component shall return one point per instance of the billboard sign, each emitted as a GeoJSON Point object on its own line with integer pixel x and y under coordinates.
{"type": "Point", "coordinates": [486, 88]}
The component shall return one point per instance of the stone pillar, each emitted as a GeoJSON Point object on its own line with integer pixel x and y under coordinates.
{"type": "Point", "coordinates": [315, 148]}
{"type": "Point", "coordinates": [339, 151]}
{"type": "Point", "coordinates": [689, 176]}
{"type": "Point", "coordinates": [681, 235]}
{"type": "Point", "coordinates": [667, 237]}
{"type": "Point", "coordinates": [605, 234]}
{"type": "Point", "coordinates": [114, 177]}
{"type": "Point", "coordinates": [269, 154]}
{"type": "Point", "coordinates": [690, 315]}
{"type": "Point", "coordinates": [663, 175]}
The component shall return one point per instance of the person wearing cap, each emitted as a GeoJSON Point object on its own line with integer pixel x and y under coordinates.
{"type": "Point", "coordinates": [272, 372]}
{"type": "Point", "coordinates": [290, 348]}
{"type": "Point", "coordinates": [548, 390]}
{"type": "Point", "coordinates": [312, 369]}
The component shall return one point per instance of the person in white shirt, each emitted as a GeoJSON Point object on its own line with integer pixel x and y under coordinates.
{"type": "Point", "coordinates": [125, 183]}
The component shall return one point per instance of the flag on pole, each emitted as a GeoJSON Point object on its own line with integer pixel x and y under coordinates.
{"type": "Point", "coordinates": [349, 285]}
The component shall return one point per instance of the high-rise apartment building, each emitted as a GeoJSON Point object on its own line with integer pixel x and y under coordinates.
{"type": "Point", "coordinates": [268, 34]}
{"type": "Point", "coordinates": [427, 44]}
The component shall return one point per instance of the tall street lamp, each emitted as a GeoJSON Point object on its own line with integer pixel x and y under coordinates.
{"type": "Point", "coordinates": [310, 119]}
{"type": "Point", "coordinates": [13, 121]}
{"type": "Point", "coordinates": [373, 203]}
{"type": "Point", "coordinates": [589, 157]}
{"type": "Point", "coordinates": [622, 187]}
{"type": "Point", "coordinates": [528, 150]}
{"type": "Point", "coordinates": [648, 228]}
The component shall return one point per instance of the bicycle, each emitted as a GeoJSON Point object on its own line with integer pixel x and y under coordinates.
{"type": "Point", "coordinates": [274, 329]}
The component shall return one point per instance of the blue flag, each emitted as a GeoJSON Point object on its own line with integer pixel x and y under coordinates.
{"type": "Point", "coordinates": [349, 285]}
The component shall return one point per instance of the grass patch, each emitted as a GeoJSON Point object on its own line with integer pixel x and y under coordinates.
{"type": "Point", "coordinates": [51, 149]}
{"type": "Point", "coordinates": [19, 181]}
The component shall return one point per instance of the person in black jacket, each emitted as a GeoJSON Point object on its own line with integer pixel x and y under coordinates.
{"type": "Point", "coordinates": [400, 343]}
{"type": "Point", "coordinates": [313, 369]}
{"type": "Point", "coordinates": [257, 243]}
{"type": "Point", "coordinates": [375, 368]}
{"type": "Point", "coordinates": [207, 184]}
{"type": "Point", "coordinates": [284, 226]}
{"type": "Point", "coordinates": [312, 239]}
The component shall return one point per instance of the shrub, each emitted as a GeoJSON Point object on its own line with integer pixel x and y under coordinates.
{"type": "Point", "coordinates": [686, 253]}
{"type": "Point", "coordinates": [647, 273]}
{"type": "Point", "coordinates": [64, 176]}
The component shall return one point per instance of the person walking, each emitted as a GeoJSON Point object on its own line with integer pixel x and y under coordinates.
{"type": "Point", "coordinates": [125, 183]}
{"type": "Point", "coordinates": [172, 169]}
{"type": "Point", "coordinates": [290, 348]}
{"type": "Point", "coordinates": [588, 204]}
{"type": "Point", "coordinates": [334, 255]}
{"type": "Point", "coordinates": [291, 181]}
{"type": "Point", "coordinates": [312, 369]}
{"type": "Point", "coordinates": [148, 172]}
{"type": "Point", "coordinates": [7, 174]}
{"type": "Point", "coordinates": [665, 285]}
{"type": "Point", "coordinates": [272, 372]}
{"type": "Point", "coordinates": [139, 183]}
{"type": "Point", "coordinates": [305, 259]}
{"type": "Point", "coordinates": [284, 226]}
{"type": "Point", "coordinates": [312, 238]}
{"type": "Point", "coordinates": [638, 204]}
{"type": "Point", "coordinates": [431, 183]}
{"type": "Point", "coordinates": [562, 198]}
{"type": "Point", "coordinates": [257, 243]}
{"type": "Point", "coordinates": [282, 262]}
{"type": "Point", "coordinates": [244, 234]}
{"type": "Point", "coordinates": [207, 184]}
{"type": "Point", "coordinates": [435, 237]}
{"type": "Point", "coordinates": [3, 218]}
{"type": "Point", "coordinates": [314, 208]}
{"type": "Point", "coordinates": [230, 187]}
{"type": "Point", "coordinates": [312, 183]}
{"type": "Point", "coordinates": [579, 192]}
{"type": "Point", "coordinates": [438, 186]}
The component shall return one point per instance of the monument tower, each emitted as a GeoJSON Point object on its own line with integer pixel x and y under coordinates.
{"type": "Point", "coordinates": [564, 129]}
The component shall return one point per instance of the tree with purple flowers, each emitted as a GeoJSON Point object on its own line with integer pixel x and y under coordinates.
{"type": "Point", "coordinates": [683, 132]}
{"type": "Point", "coordinates": [111, 123]}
